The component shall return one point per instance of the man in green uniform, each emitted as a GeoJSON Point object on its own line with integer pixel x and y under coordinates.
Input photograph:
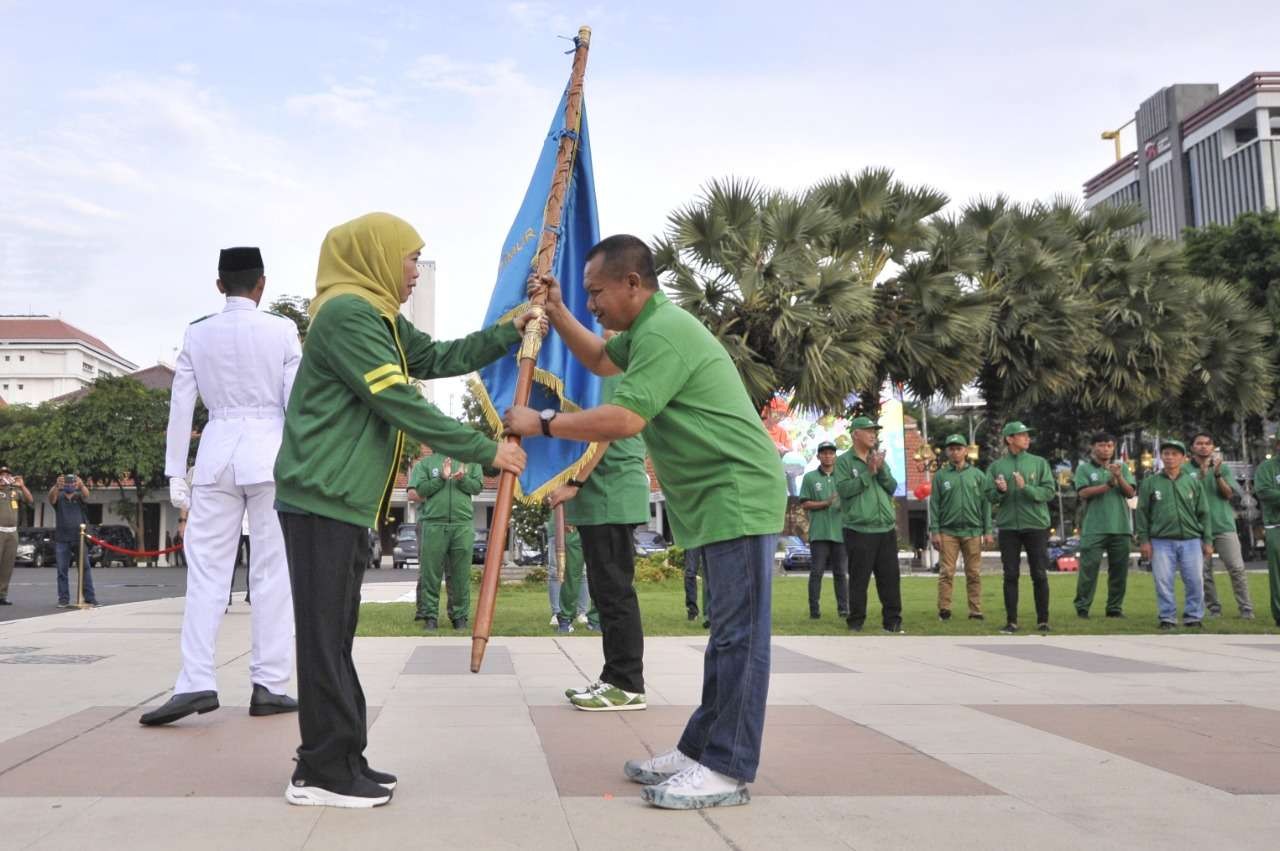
{"type": "Point", "coordinates": [442, 488]}
{"type": "Point", "coordinates": [569, 597]}
{"type": "Point", "coordinates": [826, 538]}
{"type": "Point", "coordinates": [1103, 487]}
{"type": "Point", "coordinates": [1220, 486]}
{"type": "Point", "coordinates": [724, 485]}
{"type": "Point", "coordinates": [13, 492]}
{"type": "Point", "coordinates": [1176, 534]}
{"type": "Point", "coordinates": [959, 521]}
{"type": "Point", "coordinates": [869, 520]}
{"type": "Point", "coordinates": [1021, 486]}
{"type": "Point", "coordinates": [1266, 487]}
{"type": "Point", "coordinates": [608, 499]}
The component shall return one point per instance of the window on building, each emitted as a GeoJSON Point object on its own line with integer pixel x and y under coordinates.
{"type": "Point", "coordinates": [1273, 119]}
{"type": "Point", "coordinates": [87, 367]}
{"type": "Point", "coordinates": [21, 358]}
{"type": "Point", "coordinates": [1246, 133]}
{"type": "Point", "coordinates": [6, 357]}
{"type": "Point", "coordinates": [19, 386]}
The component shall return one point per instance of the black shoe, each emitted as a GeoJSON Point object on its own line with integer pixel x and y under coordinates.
{"type": "Point", "coordinates": [1191, 625]}
{"type": "Point", "coordinates": [693, 614]}
{"type": "Point", "coordinates": [1042, 627]}
{"type": "Point", "coordinates": [180, 706]}
{"type": "Point", "coordinates": [813, 616]}
{"type": "Point", "coordinates": [706, 624]}
{"type": "Point", "coordinates": [1082, 614]}
{"type": "Point", "coordinates": [419, 617]}
{"type": "Point", "coordinates": [976, 618]}
{"type": "Point", "coordinates": [431, 624]}
{"type": "Point", "coordinates": [854, 627]}
{"type": "Point", "coordinates": [264, 702]}
{"type": "Point", "coordinates": [1166, 626]}
{"type": "Point", "coordinates": [1009, 629]}
{"type": "Point", "coordinates": [1115, 614]}
{"type": "Point", "coordinates": [382, 778]}
{"type": "Point", "coordinates": [4, 601]}
{"type": "Point", "coordinates": [459, 623]}
{"type": "Point", "coordinates": [844, 616]}
{"type": "Point", "coordinates": [360, 793]}
{"type": "Point", "coordinates": [944, 614]}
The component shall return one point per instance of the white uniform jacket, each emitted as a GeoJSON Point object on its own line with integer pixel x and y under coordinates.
{"type": "Point", "coordinates": [241, 363]}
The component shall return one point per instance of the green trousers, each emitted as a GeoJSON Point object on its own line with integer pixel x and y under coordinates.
{"type": "Point", "coordinates": [1273, 570]}
{"type": "Point", "coordinates": [1092, 548]}
{"type": "Point", "coordinates": [444, 549]}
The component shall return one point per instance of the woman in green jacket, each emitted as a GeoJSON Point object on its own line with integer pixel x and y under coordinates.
{"type": "Point", "coordinates": [351, 406]}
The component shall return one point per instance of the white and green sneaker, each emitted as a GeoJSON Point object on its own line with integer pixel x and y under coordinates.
{"type": "Point", "coordinates": [656, 769]}
{"type": "Point", "coordinates": [587, 689]}
{"type": "Point", "coordinates": [608, 698]}
{"type": "Point", "coordinates": [696, 788]}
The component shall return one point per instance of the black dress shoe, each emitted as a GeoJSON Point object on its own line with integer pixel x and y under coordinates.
{"type": "Point", "coordinates": [264, 702]}
{"type": "Point", "coordinates": [4, 601]}
{"type": "Point", "coordinates": [431, 624]}
{"type": "Point", "coordinates": [180, 706]}
{"type": "Point", "coordinates": [459, 623]}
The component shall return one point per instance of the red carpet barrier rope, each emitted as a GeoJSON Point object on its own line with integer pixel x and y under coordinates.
{"type": "Point", "coordinates": [134, 553]}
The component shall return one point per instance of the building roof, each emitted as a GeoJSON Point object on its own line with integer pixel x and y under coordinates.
{"type": "Point", "coordinates": [158, 377]}
{"type": "Point", "coordinates": [1124, 168]}
{"type": "Point", "coordinates": [1258, 81]}
{"type": "Point", "coordinates": [48, 329]}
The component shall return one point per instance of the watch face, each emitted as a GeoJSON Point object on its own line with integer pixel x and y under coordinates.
{"type": "Point", "coordinates": [548, 413]}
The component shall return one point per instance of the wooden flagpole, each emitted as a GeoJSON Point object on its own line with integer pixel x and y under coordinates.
{"type": "Point", "coordinates": [529, 349]}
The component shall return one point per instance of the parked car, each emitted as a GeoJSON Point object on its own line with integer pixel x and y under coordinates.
{"type": "Point", "coordinates": [35, 547]}
{"type": "Point", "coordinates": [117, 535]}
{"type": "Point", "coordinates": [405, 552]}
{"type": "Point", "coordinates": [648, 542]}
{"type": "Point", "coordinates": [480, 548]}
{"type": "Point", "coordinates": [1060, 549]}
{"type": "Point", "coordinates": [527, 554]}
{"type": "Point", "coordinates": [795, 553]}
{"type": "Point", "coordinates": [375, 550]}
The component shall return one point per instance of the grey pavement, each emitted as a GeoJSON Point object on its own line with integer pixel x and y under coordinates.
{"type": "Point", "coordinates": [877, 742]}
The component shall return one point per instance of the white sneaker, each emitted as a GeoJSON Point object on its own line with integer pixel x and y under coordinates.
{"type": "Point", "coordinates": [657, 769]}
{"type": "Point", "coordinates": [695, 788]}
{"type": "Point", "coordinates": [361, 794]}
{"type": "Point", "coordinates": [580, 620]}
{"type": "Point", "coordinates": [555, 621]}
{"type": "Point", "coordinates": [587, 689]}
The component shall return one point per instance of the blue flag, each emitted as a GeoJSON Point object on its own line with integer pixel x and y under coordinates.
{"type": "Point", "coordinates": [560, 382]}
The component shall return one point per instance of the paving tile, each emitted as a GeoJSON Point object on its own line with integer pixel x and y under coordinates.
{"type": "Point", "coordinates": [807, 751]}
{"type": "Point", "coordinates": [1080, 660]}
{"type": "Point", "coordinates": [117, 630]}
{"type": "Point", "coordinates": [783, 660]}
{"type": "Point", "coordinates": [1229, 747]}
{"type": "Point", "coordinates": [226, 753]}
{"type": "Point", "coordinates": [433, 659]}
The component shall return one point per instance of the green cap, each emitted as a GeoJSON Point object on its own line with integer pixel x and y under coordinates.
{"type": "Point", "coordinates": [1015, 427]}
{"type": "Point", "coordinates": [1176, 444]}
{"type": "Point", "coordinates": [955, 440]}
{"type": "Point", "coordinates": [863, 422]}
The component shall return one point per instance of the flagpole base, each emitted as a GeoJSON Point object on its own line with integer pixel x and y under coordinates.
{"type": "Point", "coordinates": [477, 652]}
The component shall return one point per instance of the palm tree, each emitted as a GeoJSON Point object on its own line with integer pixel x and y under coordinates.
{"type": "Point", "coordinates": [748, 262]}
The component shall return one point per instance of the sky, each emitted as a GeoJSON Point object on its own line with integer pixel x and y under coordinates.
{"type": "Point", "coordinates": [139, 138]}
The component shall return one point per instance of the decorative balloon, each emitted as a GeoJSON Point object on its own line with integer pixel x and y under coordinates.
{"type": "Point", "coordinates": [923, 490]}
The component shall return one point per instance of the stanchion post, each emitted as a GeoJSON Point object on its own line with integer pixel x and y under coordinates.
{"type": "Point", "coordinates": [80, 604]}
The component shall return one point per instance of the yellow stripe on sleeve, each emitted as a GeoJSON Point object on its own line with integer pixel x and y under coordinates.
{"type": "Point", "coordinates": [389, 381]}
{"type": "Point", "coordinates": [374, 374]}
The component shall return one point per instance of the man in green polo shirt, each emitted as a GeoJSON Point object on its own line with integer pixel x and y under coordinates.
{"type": "Point", "coordinates": [607, 500]}
{"type": "Point", "coordinates": [826, 538]}
{"type": "Point", "coordinates": [1103, 487]}
{"type": "Point", "coordinates": [1021, 486]}
{"type": "Point", "coordinates": [1175, 533]}
{"type": "Point", "coordinates": [443, 489]}
{"type": "Point", "coordinates": [959, 521]}
{"type": "Point", "coordinates": [1266, 487]}
{"type": "Point", "coordinates": [725, 491]}
{"type": "Point", "coordinates": [1220, 486]}
{"type": "Point", "coordinates": [869, 521]}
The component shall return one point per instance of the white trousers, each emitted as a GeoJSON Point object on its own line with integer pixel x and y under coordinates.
{"type": "Point", "coordinates": [213, 536]}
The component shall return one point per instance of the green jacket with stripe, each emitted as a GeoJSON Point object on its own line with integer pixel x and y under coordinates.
{"type": "Point", "coordinates": [353, 403]}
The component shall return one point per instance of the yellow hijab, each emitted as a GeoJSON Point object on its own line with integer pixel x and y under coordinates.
{"type": "Point", "coordinates": [365, 257]}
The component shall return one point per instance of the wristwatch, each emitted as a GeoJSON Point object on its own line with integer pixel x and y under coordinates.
{"type": "Point", "coordinates": [547, 416]}
{"type": "Point", "coordinates": [575, 483]}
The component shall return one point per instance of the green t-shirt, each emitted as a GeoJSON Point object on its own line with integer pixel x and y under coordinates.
{"type": "Point", "coordinates": [824, 523]}
{"type": "Point", "coordinates": [1222, 515]}
{"type": "Point", "coordinates": [1107, 514]}
{"type": "Point", "coordinates": [1266, 486]}
{"type": "Point", "coordinates": [617, 491]}
{"type": "Point", "coordinates": [717, 466]}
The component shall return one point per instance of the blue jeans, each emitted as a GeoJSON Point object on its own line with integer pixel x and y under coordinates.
{"type": "Point", "coordinates": [64, 553]}
{"type": "Point", "coordinates": [725, 731]}
{"type": "Point", "coordinates": [1169, 556]}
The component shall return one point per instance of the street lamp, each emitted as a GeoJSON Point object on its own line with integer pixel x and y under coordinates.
{"type": "Point", "coordinates": [1114, 136]}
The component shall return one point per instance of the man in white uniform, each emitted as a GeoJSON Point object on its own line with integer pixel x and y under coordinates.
{"type": "Point", "coordinates": [241, 363]}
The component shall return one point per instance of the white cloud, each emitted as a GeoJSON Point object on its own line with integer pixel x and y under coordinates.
{"type": "Point", "coordinates": [477, 79]}
{"type": "Point", "coordinates": [351, 107]}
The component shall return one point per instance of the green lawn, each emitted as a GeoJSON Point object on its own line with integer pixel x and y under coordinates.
{"type": "Point", "coordinates": [523, 610]}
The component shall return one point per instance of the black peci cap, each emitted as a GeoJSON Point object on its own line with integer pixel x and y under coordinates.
{"type": "Point", "coordinates": [239, 260]}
